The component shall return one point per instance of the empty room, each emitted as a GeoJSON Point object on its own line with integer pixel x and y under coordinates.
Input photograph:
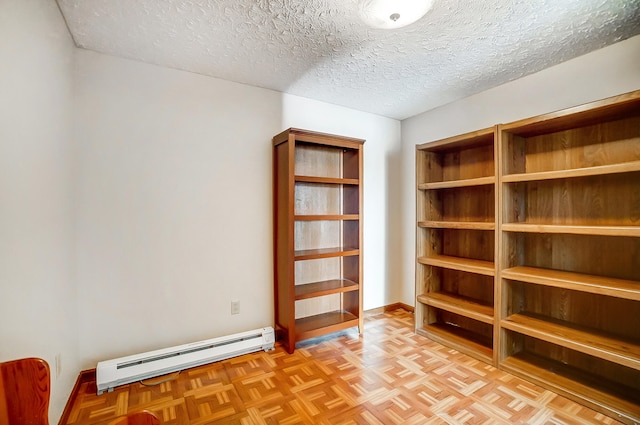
{"type": "Point", "coordinates": [319, 212]}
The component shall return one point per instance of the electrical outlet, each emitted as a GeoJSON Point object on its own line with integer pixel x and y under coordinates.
{"type": "Point", "coordinates": [235, 307]}
{"type": "Point", "coordinates": [58, 365]}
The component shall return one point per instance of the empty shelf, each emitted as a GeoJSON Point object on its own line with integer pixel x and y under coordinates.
{"type": "Point", "coordinates": [625, 167]}
{"type": "Point", "coordinates": [322, 324]}
{"type": "Point", "coordinates": [311, 254]}
{"type": "Point", "coordinates": [480, 181]}
{"type": "Point", "coordinates": [326, 287]}
{"type": "Point", "coordinates": [326, 217]}
{"type": "Point", "coordinates": [576, 338]}
{"type": "Point", "coordinates": [633, 231]}
{"type": "Point", "coordinates": [464, 225]}
{"type": "Point", "coordinates": [599, 394]}
{"type": "Point", "coordinates": [620, 288]}
{"type": "Point", "coordinates": [459, 339]}
{"type": "Point", "coordinates": [457, 263]}
{"type": "Point", "coordinates": [458, 305]}
{"type": "Point", "coordinates": [326, 180]}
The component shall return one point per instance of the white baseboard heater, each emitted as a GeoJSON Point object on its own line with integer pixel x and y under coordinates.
{"type": "Point", "coordinates": [124, 370]}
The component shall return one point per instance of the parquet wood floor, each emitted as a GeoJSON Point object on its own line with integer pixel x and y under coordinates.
{"type": "Point", "coordinates": [390, 375]}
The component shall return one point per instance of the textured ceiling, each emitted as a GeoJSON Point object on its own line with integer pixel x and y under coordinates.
{"type": "Point", "coordinates": [320, 49]}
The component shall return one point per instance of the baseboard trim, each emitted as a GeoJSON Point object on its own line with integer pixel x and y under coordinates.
{"type": "Point", "coordinates": [388, 308]}
{"type": "Point", "coordinates": [84, 376]}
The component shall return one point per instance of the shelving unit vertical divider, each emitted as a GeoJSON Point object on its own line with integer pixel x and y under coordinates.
{"type": "Point", "coordinates": [497, 287]}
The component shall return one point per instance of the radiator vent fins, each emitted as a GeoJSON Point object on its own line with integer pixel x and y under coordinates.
{"type": "Point", "coordinates": [187, 351]}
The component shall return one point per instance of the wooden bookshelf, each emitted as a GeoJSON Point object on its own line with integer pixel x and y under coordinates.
{"type": "Point", "coordinates": [569, 225]}
{"type": "Point", "coordinates": [528, 250]}
{"type": "Point", "coordinates": [317, 234]}
{"type": "Point", "coordinates": [455, 242]}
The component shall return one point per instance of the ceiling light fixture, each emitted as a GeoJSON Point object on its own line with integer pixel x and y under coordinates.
{"type": "Point", "coordinates": [390, 14]}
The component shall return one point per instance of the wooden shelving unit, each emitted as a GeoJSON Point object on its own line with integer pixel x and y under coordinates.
{"type": "Point", "coordinates": [317, 234]}
{"type": "Point", "coordinates": [455, 242]}
{"type": "Point", "coordinates": [569, 263]}
{"type": "Point", "coordinates": [528, 250]}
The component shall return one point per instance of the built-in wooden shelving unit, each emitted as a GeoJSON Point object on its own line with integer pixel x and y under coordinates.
{"type": "Point", "coordinates": [566, 306]}
{"type": "Point", "coordinates": [570, 253]}
{"type": "Point", "coordinates": [456, 241]}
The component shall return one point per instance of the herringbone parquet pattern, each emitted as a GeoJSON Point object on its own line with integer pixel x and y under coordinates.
{"type": "Point", "coordinates": [388, 376]}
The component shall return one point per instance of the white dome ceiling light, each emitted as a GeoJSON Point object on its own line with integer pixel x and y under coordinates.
{"type": "Point", "coordinates": [390, 14]}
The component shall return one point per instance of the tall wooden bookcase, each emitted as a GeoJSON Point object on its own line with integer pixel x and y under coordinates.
{"type": "Point", "coordinates": [455, 275]}
{"type": "Point", "coordinates": [567, 259]}
{"type": "Point", "coordinates": [570, 253]}
{"type": "Point", "coordinates": [318, 198]}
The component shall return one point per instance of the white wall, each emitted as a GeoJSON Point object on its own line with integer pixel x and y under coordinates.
{"type": "Point", "coordinates": [606, 72]}
{"type": "Point", "coordinates": [38, 316]}
{"type": "Point", "coordinates": [174, 202]}
{"type": "Point", "coordinates": [174, 206]}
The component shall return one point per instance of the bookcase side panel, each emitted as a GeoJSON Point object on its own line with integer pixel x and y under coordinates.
{"type": "Point", "coordinates": [283, 238]}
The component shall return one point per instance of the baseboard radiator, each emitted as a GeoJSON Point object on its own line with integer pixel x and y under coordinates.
{"type": "Point", "coordinates": [124, 370]}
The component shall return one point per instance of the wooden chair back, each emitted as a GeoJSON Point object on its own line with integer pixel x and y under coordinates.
{"type": "Point", "coordinates": [140, 418]}
{"type": "Point", "coordinates": [25, 387]}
